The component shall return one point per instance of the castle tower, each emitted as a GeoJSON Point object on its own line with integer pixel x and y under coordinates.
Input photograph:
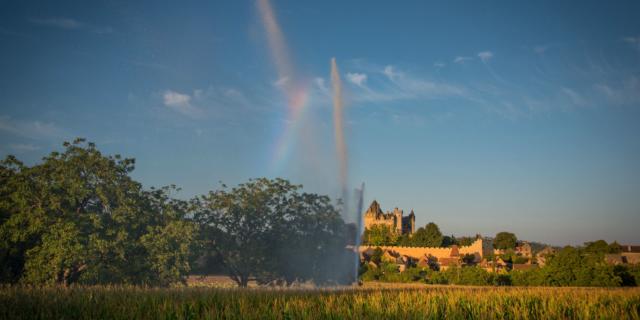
{"type": "Point", "coordinates": [409, 223]}
{"type": "Point", "coordinates": [374, 209]}
{"type": "Point", "coordinates": [372, 215]}
{"type": "Point", "coordinates": [397, 214]}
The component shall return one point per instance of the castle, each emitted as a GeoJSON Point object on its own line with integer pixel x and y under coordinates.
{"type": "Point", "coordinates": [395, 220]}
{"type": "Point", "coordinates": [444, 256]}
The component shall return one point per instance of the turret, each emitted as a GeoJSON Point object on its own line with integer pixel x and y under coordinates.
{"type": "Point", "coordinates": [412, 222]}
{"type": "Point", "coordinates": [398, 219]}
{"type": "Point", "coordinates": [374, 209]}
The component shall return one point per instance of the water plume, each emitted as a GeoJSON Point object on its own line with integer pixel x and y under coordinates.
{"type": "Point", "coordinates": [359, 195]}
{"type": "Point", "coordinates": [299, 132]}
{"type": "Point", "coordinates": [338, 124]}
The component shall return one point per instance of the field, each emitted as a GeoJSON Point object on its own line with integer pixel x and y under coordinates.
{"type": "Point", "coordinates": [371, 301]}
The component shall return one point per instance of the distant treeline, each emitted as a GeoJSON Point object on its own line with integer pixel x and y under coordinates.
{"type": "Point", "coordinates": [78, 217]}
{"type": "Point", "coordinates": [427, 236]}
{"type": "Point", "coordinates": [569, 266]}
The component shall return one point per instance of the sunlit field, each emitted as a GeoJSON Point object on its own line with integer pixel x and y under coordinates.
{"type": "Point", "coordinates": [371, 301]}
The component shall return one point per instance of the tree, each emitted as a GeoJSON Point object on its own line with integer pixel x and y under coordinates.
{"type": "Point", "coordinates": [615, 247]}
{"type": "Point", "coordinates": [429, 236]}
{"type": "Point", "coordinates": [597, 247]}
{"type": "Point", "coordinates": [381, 235]}
{"type": "Point", "coordinates": [448, 241]}
{"type": "Point", "coordinates": [465, 241]}
{"type": "Point", "coordinates": [601, 247]}
{"type": "Point", "coordinates": [171, 239]}
{"type": "Point", "coordinates": [78, 217]}
{"type": "Point", "coordinates": [575, 267]}
{"type": "Point", "coordinates": [505, 240]}
{"type": "Point", "coordinates": [268, 231]}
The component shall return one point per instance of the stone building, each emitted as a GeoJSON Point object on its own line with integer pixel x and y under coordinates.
{"type": "Point", "coordinates": [631, 254]}
{"type": "Point", "coordinates": [395, 220]}
{"type": "Point", "coordinates": [541, 257]}
{"type": "Point", "coordinates": [524, 249]}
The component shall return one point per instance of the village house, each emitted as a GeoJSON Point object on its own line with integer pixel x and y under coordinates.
{"type": "Point", "coordinates": [629, 254]}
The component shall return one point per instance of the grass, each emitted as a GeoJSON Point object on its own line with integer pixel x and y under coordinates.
{"type": "Point", "coordinates": [374, 301]}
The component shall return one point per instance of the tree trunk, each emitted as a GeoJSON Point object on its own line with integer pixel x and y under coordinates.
{"type": "Point", "coordinates": [71, 275]}
{"type": "Point", "coordinates": [244, 281]}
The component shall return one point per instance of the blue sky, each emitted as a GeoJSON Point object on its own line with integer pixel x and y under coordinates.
{"type": "Point", "coordinates": [481, 117]}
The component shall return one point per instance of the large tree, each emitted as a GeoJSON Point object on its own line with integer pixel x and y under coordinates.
{"type": "Point", "coordinates": [79, 217]}
{"type": "Point", "coordinates": [505, 240]}
{"type": "Point", "coordinates": [429, 236]}
{"type": "Point", "coordinates": [267, 230]}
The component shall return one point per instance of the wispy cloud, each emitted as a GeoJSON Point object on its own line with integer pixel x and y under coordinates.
{"type": "Point", "coordinates": [70, 24]}
{"type": "Point", "coordinates": [22, 147]}
{"type": "Point", "coordinates": [181, 103]}
{"type": "Point", "coordinates": [390, 72]}
{"type": "Point", "coordinates": [461, 59]}
{"type": "Point", "coordinates": [485, 56]}
{"type": "Point", "coordinates": [62, 23]}
{"type": "Point", "coordinates": [633, 41]}
{"type": "Point", "coordinates": [540, 49]}
{"type": "Point", "coordinates": [280, 83]}
{"type": "Point", "coordinates": [627, 92]}
{"type": "Point", "coordinates": [575, 98]}
{"type": "Point", "coordinates": [392, 84]}
{"type": "Point", "coordinates": [358, 79]}
{"type": "Point", "coordinates": [212, 102]}
{"type": "Point", "coordinates": [321, 84]}
{"type": "Point", "coordinates": [31, 129]}
{"type": "Point", "coordinates": [439, 64]}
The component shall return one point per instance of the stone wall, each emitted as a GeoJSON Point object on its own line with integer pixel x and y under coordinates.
{"type": "Point", "coordinates": [632, 257]}
{"type": "Point", "coordinates": [476, 248]}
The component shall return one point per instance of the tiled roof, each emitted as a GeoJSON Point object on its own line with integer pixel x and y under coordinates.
{"type": "Point", "coordinates": [630, 248]}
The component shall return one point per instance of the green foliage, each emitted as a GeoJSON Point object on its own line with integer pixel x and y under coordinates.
{"type": "Point", "coordinates": [268, 231]}
{"type": "Point", "coordinates": [502, 279]}
{"type": "Point", "coordinates": [380, 235]}
{"type": "Point", "coordinates": [429, 236]}
{"type": "Point", "coordinates": [377, 255]}
{"type": "Point", "coordinates": [573, 267]}
{"type": "Point", "coordinates": [407, 276]}
{"type": "Point", "coordinates": [468, 276]}
{"type": "Point", "coordinates": [465, 241]}
{"type": "Point", "coordinates": [567, 267]}
{"type": "Point", "coordinates": [390, 272]}
{"type": "Point", "coordinates": [600, 247]}
{"type": "Point", "coordinates": [520, 260]}
{"type": "Point", "coordinates": [448, 241]}
{"type": "Point", "coordinates": [615, 247]}
{"type": "Point", "coordinates": [530, 277]}
{"type": "Point", "coordinates": [78, 217]}
{"type": "Point", "coordinates": [469, 258]}
{"type": "Point", "coordinates": [505, 240]}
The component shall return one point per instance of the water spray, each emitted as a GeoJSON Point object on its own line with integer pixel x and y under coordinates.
{"type": "Point", "coordinates": [338, 124]}
{"type": "Point", "coordinates": [359, 193]}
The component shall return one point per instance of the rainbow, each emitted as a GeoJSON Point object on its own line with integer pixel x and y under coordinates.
{"type": "Point", "coordinates": [296, 92]}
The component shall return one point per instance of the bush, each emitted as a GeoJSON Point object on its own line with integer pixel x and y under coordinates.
{"type": "Point", "coordinates": [502, 280]}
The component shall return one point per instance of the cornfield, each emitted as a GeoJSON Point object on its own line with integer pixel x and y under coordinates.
{"type": "Point", "coordinates": [402, 302]}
